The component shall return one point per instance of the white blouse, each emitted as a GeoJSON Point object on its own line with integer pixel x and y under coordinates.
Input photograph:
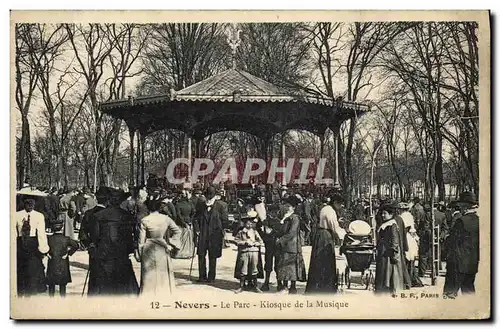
{"type": "Point", "coordinates": [328, 220]}
{"type": "Point", "coordinates": [37, 224]}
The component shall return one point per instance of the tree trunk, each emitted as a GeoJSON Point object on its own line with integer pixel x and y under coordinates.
{"type": "Point", "coordinates": [438, 169]}
{"type": "Point", "coordinates": [22, 154]}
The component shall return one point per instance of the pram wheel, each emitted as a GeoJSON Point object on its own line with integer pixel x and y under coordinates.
{"type": "Point", "coordinates": [347, 276]}
{"type": "Point", "coordinates": [369, 279]}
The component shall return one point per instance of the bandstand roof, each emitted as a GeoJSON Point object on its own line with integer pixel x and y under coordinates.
{"type": "Point", "coordinates": [232, 100]}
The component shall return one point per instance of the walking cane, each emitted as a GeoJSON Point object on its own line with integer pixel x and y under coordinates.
{"type": "Point", "coordinates": [85, 283]}
{"type": "Point", "coordinates": [192, 260]}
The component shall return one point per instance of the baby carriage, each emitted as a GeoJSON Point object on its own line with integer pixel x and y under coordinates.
{"type": "Point", "coordinates": [358, 249]}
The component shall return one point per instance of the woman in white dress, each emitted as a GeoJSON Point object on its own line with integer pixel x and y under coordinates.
{"type": "Point", "coordinates": [158, 236]}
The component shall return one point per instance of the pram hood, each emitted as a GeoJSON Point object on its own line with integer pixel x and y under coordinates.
{"type": "Point", "coordinates": [359, 228]}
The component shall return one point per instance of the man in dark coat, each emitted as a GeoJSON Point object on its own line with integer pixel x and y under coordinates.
{"type": "Point", "coordinates": [79, 201]}
{"type": "Point", "coordinates": [209, 218]}
{"type": "Point", "coordinates": [114, 245]}
{"type": "Point", "coordinates": [424, 231]}
{"type": "Point", "coordinates": [51, 207]}
{"type": "Point", "coordinates": [417, 212]}
{"type": "Point", "coordinates": [87, 237]}
{"type": "Point", "coordinates": [463, 255]}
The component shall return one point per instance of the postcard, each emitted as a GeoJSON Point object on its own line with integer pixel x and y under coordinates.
{"type": "Point", "coordinates": [250, 165]}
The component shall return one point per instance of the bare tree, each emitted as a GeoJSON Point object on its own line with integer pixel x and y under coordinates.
{"type": "Point", "coordinates": [28, 50]}
{"type": "Point", "coordinates": [276, 52]}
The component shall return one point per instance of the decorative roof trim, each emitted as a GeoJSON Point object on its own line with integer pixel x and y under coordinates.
{"type": "Point", "coordinates": [145, 100]}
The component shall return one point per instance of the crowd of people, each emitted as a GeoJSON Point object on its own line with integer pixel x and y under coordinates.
{"type": "Point", "coordinates": [155, 225]}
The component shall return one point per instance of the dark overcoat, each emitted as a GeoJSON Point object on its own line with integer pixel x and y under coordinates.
{"type": "Point", "coordinates": [114, 243]}
{"type": "Point", "coordinates": [288, 237]}
{"type": "Point", "coordinates": [465, 244]}
{"type": "Point", "coordinates": [389, 271]}
{"type": "Point", "coordinates": [209, 224]}
{"type": "Point", "coordinates": [51, 209]}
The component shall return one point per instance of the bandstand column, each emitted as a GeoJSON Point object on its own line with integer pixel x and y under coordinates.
{"type": "Point", "coordinates": [131, 132]}
{"type": "Point", "coordinates": [336, 134]}
{"type": "Point", "coordinates": [190, 158]}
{"type": "Point", "coordinates": [138, 160]}
{"type": "Point", "coordinates": [283, 157]}
{"type": "Point", "coordinates": [321, 145]}
{"type": "Point", "coordinates": [143, 141]}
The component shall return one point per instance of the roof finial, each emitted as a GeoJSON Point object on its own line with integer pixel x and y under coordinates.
{"type": "Point", "coordinates": [233, 39]}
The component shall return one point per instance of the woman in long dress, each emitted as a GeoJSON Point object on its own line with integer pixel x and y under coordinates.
{"type": "Point", "coordinates": [322, 276]}
{"type": "Point", "coordinates": [158, 236]}
{"type": "Point", "coordinates": [389, 271]}
{"type": "Point", "coordinates": [289, 261]}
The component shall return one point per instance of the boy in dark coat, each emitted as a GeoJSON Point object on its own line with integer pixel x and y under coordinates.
{"type": "Point", "coordinates": [61, 247]}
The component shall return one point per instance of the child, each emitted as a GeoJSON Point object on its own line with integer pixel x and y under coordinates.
{"type": "Point", "coordinates": [249, 243]}
{"type": "Point", "coordinates": [61, 247]}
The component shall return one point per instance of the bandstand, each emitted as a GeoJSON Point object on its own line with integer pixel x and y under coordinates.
{"type": "Point", "coordinates": [233, 100]}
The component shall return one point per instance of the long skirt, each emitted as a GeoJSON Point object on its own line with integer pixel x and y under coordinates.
{"type": "Point", "coordinates": [115, 276]}
{"type": "Point", "coordinates": [69, 229]}
{"type": "Point", "coordinates": [290, 266]}
{"type": "Point", "coordinates": [30, 269]}
{"type": "Point", "coordinates": [322, 276]}
{"type": "Point", "coordinates": [388, 277]}
{"type": "Point", "coordinates": [157, 273]}
{"type": "Point", "coordinates": [407, 279]}
{"type": "Point", "coordinates": [93, 277]}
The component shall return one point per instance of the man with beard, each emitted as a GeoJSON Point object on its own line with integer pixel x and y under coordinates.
{"type": "Point", "coordinates": [88, 239]}
{"type": "Point", "coordinates": [114, 245]}
{"type": "Point", "coordinates": [209, 218]}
